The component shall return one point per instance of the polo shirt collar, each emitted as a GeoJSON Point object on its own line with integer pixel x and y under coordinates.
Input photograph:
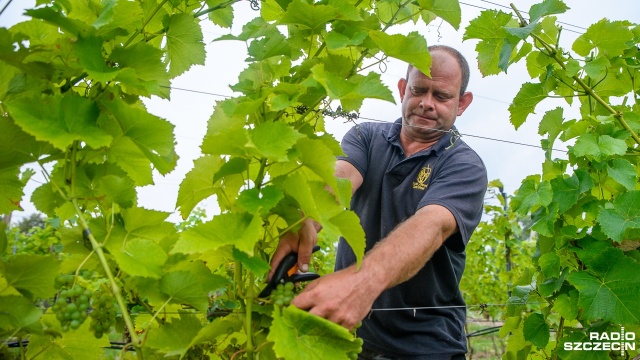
{"type": "Point", "coordinates": [445, 142]}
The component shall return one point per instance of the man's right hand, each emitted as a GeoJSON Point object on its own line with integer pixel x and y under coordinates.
{"type": "Point", "coordinates": [301, 242]}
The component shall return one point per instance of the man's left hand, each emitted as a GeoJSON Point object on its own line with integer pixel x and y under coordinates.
{"type": "Point", "coordinates": [343, 297]}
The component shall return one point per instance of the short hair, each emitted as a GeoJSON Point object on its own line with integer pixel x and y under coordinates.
{"type": "Point", "coordinates": [462, 62]}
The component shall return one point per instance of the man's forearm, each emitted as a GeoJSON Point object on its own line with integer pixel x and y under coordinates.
{"type": "Point", "coordinates": [406, 250]}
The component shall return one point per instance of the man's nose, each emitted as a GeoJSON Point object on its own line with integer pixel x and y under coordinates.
{"type": "Point", "coordinates": [426, 101]}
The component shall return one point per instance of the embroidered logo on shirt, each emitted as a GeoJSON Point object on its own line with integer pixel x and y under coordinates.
{"type": "Point", "coordinates": [423, 175]}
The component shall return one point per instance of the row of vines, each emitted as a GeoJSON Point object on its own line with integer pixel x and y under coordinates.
{"type": "Point", "coordinates": [110, 278]}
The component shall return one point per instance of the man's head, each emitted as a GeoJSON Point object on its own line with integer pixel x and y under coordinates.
{"type": "Point", "coordinates": [434, 102]}
{"type": "Point", "coordinates": [462, 62]}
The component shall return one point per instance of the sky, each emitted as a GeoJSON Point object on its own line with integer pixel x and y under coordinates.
{"type": "Point", "coordinates": [487, 116]}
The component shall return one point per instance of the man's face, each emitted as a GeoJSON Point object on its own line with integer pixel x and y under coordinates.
{"type": "Point", "coordinates": [435, 102]}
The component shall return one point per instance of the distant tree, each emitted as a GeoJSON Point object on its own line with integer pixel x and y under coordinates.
{"type": "Point", "coordinates": [34, 220]}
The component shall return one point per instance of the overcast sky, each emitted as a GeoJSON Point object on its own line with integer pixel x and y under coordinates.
{"type": "Point", "coordinates": [487, 116]}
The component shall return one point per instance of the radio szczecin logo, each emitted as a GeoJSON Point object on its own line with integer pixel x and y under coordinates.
{"type": "Point", "coordinates": [612, 341]}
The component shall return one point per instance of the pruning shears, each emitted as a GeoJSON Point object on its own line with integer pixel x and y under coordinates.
{"type": "Point", "coordinates": [286, 272]}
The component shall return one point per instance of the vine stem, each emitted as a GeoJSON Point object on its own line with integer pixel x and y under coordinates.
{"type": "Point", "coordinates": [115, 288]}
{"type": "Point", "coordinates": [139, 31]}
{"type": "Point", "coordinates": [553, 53]}
{"type": "Point", "coordinates": [248, 316]}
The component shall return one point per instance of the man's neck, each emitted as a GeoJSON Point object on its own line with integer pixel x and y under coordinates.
{"type": "Point", "coordinates": [412, 146]}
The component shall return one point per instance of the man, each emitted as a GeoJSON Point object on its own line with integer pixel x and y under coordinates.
{"type": "Point", "coordinates": [418, 190]}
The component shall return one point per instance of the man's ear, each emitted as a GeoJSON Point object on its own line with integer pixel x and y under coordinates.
{"type": "Point", "coordinates": [402, 87]}
{"type": "Point", "coordinates": [464, 102]}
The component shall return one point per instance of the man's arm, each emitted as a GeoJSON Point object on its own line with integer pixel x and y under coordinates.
{"type": "Point", "coordinates": [345, 297]}
{"type": "Point", "coordinates": [305, 239]}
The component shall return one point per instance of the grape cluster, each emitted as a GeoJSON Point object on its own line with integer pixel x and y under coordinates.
{"type": "Point", "coordinates": [72, 302]}
{"type": "Point", "coordinates": [283, 294]}
{"type": "Point", "coordinates": [103, 316]}
{"type": "Point", "coordinates": [353, 355]}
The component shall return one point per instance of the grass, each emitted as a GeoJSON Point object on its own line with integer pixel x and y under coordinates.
{"type": "Point", "coordinates": [483, 341]}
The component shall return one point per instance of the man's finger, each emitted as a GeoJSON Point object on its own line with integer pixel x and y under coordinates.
{"type": "Point", "coordinates": [306, 242]}
{"type": "Point", "coordinates": [285, 247]}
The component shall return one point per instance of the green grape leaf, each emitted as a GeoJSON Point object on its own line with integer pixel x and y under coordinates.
{"type": "Point", "coordinates": [307, 16]}
{"type": "Point", "coordinates": [347, 224]}
{"type": "Point", "coordinates": [48, 201]}
{"type": "Point", "coordinates": [223, 16]}
{"type": "Point", "coordinates": [140, 140]}
{"type": "Point", "coordinates": [17, 147]}
{"type": "Point", "coordinates": [269, 46]}
{"type": "Point", "coordinates": [411, 48]}
{"type": "Point", "coordinates": [76, 344]}
{"type": "Point", "coordinates": [183, 287]}
{"type": "Point", "coordinates": [315, 155]}
{"type": "Point", "coordinates": [219, 328]}
{"type": "Point", "coordinates": [551, 124]}
{"type": "Point", "coordinates": [175, 337]}
{"type": "Point", "coordinates": [147, 224]}
{"type": "Point", "coordinates": [17, 312]}
{"type": "Point", "coordinates": [609, 289]}
{"type": "Point", "coordinates": [336, 40]}
{"type": "Point", "coordinates": [150, 74]}
{"type": "Point", "coordinates": [260, 201]}
{"type": "Point", "coordinates": [295, 185]}
{"type": "Point", "coordinates": [622, 220]}
{"type": "Point", "coordinates": [296, 334]}
{"type": "Point", "coordinates": [597, 68]}
{"type": "Point", "coordinates": [622, 171]}
{"type": "Point", "coordinates": [536, 330]}
{"type": "Point", "coordinates": [547, 7]}
{"type": "Point", "coordinates": [273, 140]}
{"type": "Point", "coordinates": [109, 21]}
{"type": "Point", "coordinates": [118, 189]}
{"type": "Point", "coordinates": [496, 44]}
{"type": "Point", "coordinates": [549, 264]}
{"type": "Point", "coordinates": [448, 11]}
{"type": "Point", "coordinates": [11, 189]}
{"type": "Point", "coordinates": [608, 37]}
{"type": "Point", "coordinates": [141, 257]}
{"type": "Point", "coordinates": [226, 134]}
{"type": "Point", "coordinates": [32, 275]}
{"type": "Point", "coordinates": [89, 51]}
{"type": "Point", "coordinates": [50, 15]}
{"type": "Point", "coordinates": [254, 264]}
{"type": "Point", "coordinates": [240, 229]}
{"type": "Point", "coordinates": [207, 280]}
{"type": "Point", "coordinates": [531, 195]}
{"type": "Point", "coordinates": [598, 147]}
{"type": "Point", "coordinates": [565, 192]}
{"type": "Point", "coordinates": [184, 44]}
{"type": "Point", "coordinates": [354, 90]}
{"type": "Point", "coordinates": [525, 102]}
{"type": "Point", "coordinates": [59, 119]}
{"type": "Point", "coordinates": [567, 305]}
{"type": "Point", "coordinates": [198, 183]}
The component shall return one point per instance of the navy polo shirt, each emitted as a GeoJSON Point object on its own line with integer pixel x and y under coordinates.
{"type": "Point", "coordinates": [449, 174]}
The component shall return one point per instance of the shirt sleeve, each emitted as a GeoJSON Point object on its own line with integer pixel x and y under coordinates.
{"type": "Point", "coordinates": [460, 186]}
{"type": "Point", "coordinates": [355, 145]}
